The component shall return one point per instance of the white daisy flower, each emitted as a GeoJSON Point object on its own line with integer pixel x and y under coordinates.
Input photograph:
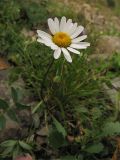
{"type": "Point", "coordinates": [65, 37]}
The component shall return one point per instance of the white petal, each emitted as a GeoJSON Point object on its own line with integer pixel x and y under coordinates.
{"type": "Point", "coordinates": [43, 34]}
{"type": "Point", "coordinates": [73, 50]}
{"type": "Point", "coordinates": [53, 46]}
{"type": "Point", "coordinates": [77, 32]}
{"type": "Point", "coordinates": [69, 21]}
{"type": "Point", "coordinates": [78, 46]}
{"type": "Point", "coordinates": [84, 44]}
{"type": "Point", "coordinates": [67, 55]}
{"type": "Point", "coordinates": [48, 43]}
{"type": "Point", "coordinates": [51, 25]}
{"type": "Point", "coordinates": [73, 29]}
{"type": "Point", "coordinates": [62, 23]}
{"type": "Point", "coordinates": [57, 53]}
{"type": "Point", "coordinates": [46, 39]}
{"type": "Point", "coordinates": [68, 28]}
{"type": "Point", "coordinates": [57, 25]}
{"type": "Point", "coordinates": [68, 25]}
{"type": "Point", "coordinates": [76, 40]}
{"type": "Point", "coordinates": [40, 40]}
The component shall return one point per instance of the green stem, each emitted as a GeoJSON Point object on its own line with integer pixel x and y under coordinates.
{"type": "Point", "coordinates": [43, 84]}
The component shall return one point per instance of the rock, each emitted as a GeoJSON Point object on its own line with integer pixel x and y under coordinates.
{"type": "Point", "coordinates": [116, 82]}
{"type": "Point", "coordinates": [26, 157]}
{"type": "Point", "coordinates": [10, 123]}
{"type": "Point", "coordinates": [25, 118]}
{"type": "Point", "coordinates": [41, 136]}
{"type": "Point", "coordinates": [115, 22]}
{"type": "Point", "coordinates": [114, 91]}
{"type": "Point", "coordinates": [15, 133]}
{"type": "Point", "coordinates": [4, 90]}
{"type": "Point", "coordinates": [40, 141]}
{"type": "Point", "coordinates": [91, 14]}
{"type": "Point", "coordinates": [87, 12]}
{"type": "Point", "coordinates": [29, 33]}
{"type": "Point", "coordinates": [13, 130]}
{"type": "Point", "coordinates": [42, 132]}
{"type": "Point", "coordinates": [108, 44]}
{"type": "Point", "coordinates": [106, 47]}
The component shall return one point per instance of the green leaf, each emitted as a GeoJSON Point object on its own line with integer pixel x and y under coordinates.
{"type": "Point", "coordinates": [8, 143]}
{"type": "Point", "coordinates": [36, 120]}
{"type": "Point", "coordinates": [17, 151]}
{"type": "Point", "coordinates": [2, 121]}
{"type": "Point", "coordinates": [81, 109]}
{"type": "Point", "coordinates": [69, 158]}
{"type": "Point", "coordinates": [11, 113]}
{"type": "Point", "coordinates": [56, 139]}
{"type": "Point", "coordinates": [95, 148]}
{"type": "Point", "coordinates": [80, 157]}
{"type": "Point", "coordinates": [37, 107]}
{"type": "Point", "coordinates": [96, 112]}
{"type": "Point", "coordinates": [22, 106]}
{"type": "Point", "coordinates": [59, 127]}
{"type": "Point", "coordinates": [57, 79]}
{"type": "Point", "coordinates": [3, 104]}
{"type": "Point", "coordinates": [14, 74]}
{"type": "Point", "coordinates": [7, 152]}
{"type": "Point", "coordinates": [111, 128]}
{"type": "Point", "coordinates": [14, 94]}
{"type": "Point", "coordinates": [25, 146]}
{"type": "Point", "coordinates": [111, 3]}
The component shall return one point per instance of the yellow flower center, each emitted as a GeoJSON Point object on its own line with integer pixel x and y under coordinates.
{"type": "Point", "coordinates": [61, 39]}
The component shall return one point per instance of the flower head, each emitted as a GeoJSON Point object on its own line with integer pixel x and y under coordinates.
{"type": "Point", "coordinates": [65, 37]}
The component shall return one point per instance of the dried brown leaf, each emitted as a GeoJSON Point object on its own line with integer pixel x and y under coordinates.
{"type": "Point", "coordinates": [3, 64]}
{"type": "Point", "coordinates": [116, 155]}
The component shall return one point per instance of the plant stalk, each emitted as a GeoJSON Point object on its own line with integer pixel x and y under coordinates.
{"type": "Point", "coordinates": [43, 83]}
